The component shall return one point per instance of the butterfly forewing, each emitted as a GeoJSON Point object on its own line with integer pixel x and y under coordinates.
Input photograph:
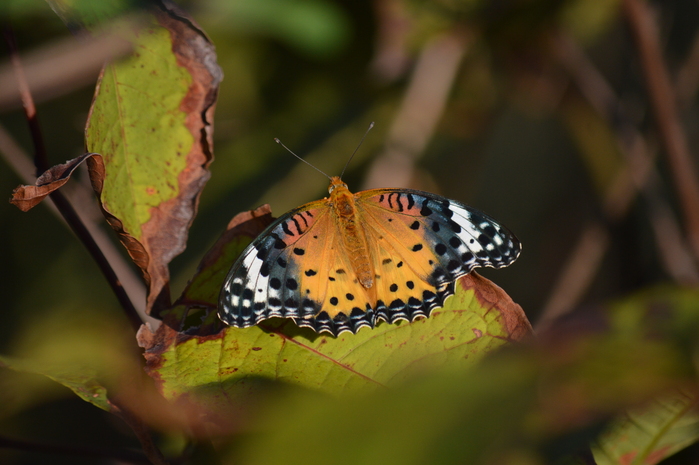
{"type": "Point", "coordinates": [443, 236]}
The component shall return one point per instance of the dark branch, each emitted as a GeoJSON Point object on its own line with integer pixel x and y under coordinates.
{"type": "Point", "coordinates": [124, 456]}
{"type": "Point", "coordinates": [62, 204]}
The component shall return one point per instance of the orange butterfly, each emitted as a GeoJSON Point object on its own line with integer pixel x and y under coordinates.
{"type": "Point", "coordinates": [351, 260]}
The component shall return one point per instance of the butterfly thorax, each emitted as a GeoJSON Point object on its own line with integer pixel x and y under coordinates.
{"type": "Point", "coordinates": [352, 235]}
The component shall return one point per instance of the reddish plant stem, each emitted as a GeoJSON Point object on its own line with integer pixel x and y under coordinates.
{"type": "Point", "coordinates": [142, 433]}
{"type": "Point", "coordinates": [664, 103]}
{"type": "Point", "coordinates": [122, 456]}
{"type": "Point", "coordinates": [62, 204]}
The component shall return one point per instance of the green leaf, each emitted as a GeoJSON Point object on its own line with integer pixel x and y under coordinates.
{"type": "Point", "coordinates": [136, 123]}
{"type": "Point", "coordinates": [316, 27]}
{"type": "Point", "coordinates": [534, 403]}
{"type": "Point", "coordinates": [215, 371]}
{"type": "Point", "coordinates": [151, 120]}
{"type": "Point", "coordinates": [82, 381]}
{"type": "Point", "coordinates": [650, 434]}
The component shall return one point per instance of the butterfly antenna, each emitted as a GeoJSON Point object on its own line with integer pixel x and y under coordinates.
{"type": "Point", "coordinates": [355, 150]}
{"type": "Point", "coordinates": [309, 164]}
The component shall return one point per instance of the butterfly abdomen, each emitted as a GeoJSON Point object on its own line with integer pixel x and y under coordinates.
{"type": "Point", "coordinates": [353, 237]}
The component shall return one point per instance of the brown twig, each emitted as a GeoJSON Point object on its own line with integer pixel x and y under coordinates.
{"type": "Point", "coordinates": [664, 103]}
{"type": "Point", "coordinates": [64, 207]}
{"type": "Point", "coordinates": [122, 456]}
{"type": "Point", "coordinates": [422, 107]}
{"type": "Point", "coordinates": [82, 196]}
{"type": "Point", "coordinates": [637, 176]}
{"type": "Point", "coordinates": [40, 160]}
{"type": "Point", "coordinates": [154, 454]}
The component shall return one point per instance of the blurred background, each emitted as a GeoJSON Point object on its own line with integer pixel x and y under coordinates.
{"type": "Point", "coordinates": [537, 112]}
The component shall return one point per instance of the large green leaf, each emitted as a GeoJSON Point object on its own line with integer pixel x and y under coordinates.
{"type": "Point", "coordinates": [213, 367]}
{"type": "Point", "coordinates": [151, 121]}
{"type": "Point", "coordinates": [535, 403]}
{"type": "Point", "coordinates": [478, 319]}
{"type": "Point", "coordinates": [650, 434]}
{"type": "Point", "coordinates": [79, 379]}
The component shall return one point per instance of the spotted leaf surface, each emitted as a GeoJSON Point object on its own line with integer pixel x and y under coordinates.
{"type": "Point", "coordinates": [351, 260]}
{"type": "Point", "coordinates": [217, 372]}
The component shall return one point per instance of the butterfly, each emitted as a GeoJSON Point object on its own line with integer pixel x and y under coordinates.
{"type": "Point", "coordinates": [351, 260]}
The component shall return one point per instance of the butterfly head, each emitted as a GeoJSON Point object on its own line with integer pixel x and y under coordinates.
{"type": "Point", "coordinates": [335, 183]}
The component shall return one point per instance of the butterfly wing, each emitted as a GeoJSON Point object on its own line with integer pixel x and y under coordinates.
{"type": "Point", "coordinates": [264, 281]}
{"type": "Point", "coordinates": [421, 243]}
{"type": "Point", "coordinates": [297, 268]}
{"type": "Point", "coordinates": [443, 239]}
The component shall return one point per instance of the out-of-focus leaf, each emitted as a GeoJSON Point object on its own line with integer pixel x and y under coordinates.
{"type": "Point", "coordinates": [653, 431]}
{"type": "Point", "coordinates": [650, 434]}
{"type": "Point", "coordinates": [78, 348]}
{"type": "Point", "coordinates": [316, 27]}
{"type": "Point", "coordinates": [151, 120]}
{"type": "Point", "coordinates": [27, 197]}
{"type": "Point", "coordinates": [588, 20]}
{"type": "Point", "coordinates": [533, 404]}
{"type": "Point", "coordinates": [89, 14]}
{"type": "Point", "coordinates": [82, 381]}
{"type": "Point", "coordinates": [215, 370]}
{"type": "Point", "coordinates": [596, 142]}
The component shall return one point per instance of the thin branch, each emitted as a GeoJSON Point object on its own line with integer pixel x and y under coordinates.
{"type": "Point", "coordinates": [63, 205]}
{"type": "Point", "coordinates": [40, 160]}
{"type": "Point", "coordinates": [82, 196]}
{"type": "Point", "coordinates": [421, 109]}
{"type": "Point", "coordinates": [154, 454]}
{"type": "Point", "coordinates": [121, 455]}
{"type": "Point", "coordinates": [638, 176]}
{"type": "Point", "coordinates": [664, 102]}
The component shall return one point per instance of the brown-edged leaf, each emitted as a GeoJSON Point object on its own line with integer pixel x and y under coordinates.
{"type": "Point", "coordinates": [195, 310]}
{"type": "Point", "coordinates": [151, 118]}
{"type": "Point", "coordinates": [26, 197]}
